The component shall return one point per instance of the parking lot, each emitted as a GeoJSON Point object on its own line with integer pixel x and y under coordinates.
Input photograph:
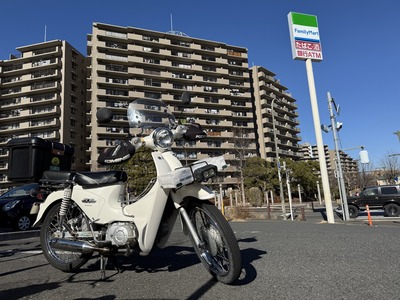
{"type": "Point", "coordinates": [281, 260]}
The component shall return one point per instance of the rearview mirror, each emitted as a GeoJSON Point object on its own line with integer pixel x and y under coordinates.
{"type": "Point", "coordinates": [186, 98]}
{"type": "Point", "coordinates": [104, 115]}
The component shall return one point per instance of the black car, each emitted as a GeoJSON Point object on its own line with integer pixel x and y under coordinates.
{"type": "Point", "coordinates": [386, 197]}
{"type": "Point", "coordinates": [15, 207]}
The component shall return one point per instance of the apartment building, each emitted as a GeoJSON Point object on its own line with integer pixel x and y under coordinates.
{"type": "Point", "coordinates": [125, 63]}
{"type": "Point", "coordinates": [52, 91]}
{"type": "Point", "coordinates": [349, 165]}
{"type": "Point", "coordinates": [274, 107]}
{"type": "Point", "coordinates": [43, 94]}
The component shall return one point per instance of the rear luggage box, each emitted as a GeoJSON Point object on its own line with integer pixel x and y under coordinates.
{"type": "Point", "coordinates": [30, 157]}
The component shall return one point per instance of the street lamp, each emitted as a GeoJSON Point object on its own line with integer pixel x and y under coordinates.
{"type": "Point", "coordinates": [277, 160]}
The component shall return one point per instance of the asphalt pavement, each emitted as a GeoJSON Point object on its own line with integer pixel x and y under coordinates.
{"type": "Point", "coordinates": [281, 260]}
{"type": "Point", "coordinates": [313, 211]}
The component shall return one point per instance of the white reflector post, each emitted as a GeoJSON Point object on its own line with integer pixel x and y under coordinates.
{"type": "Point", "coordinates": [364, 157]}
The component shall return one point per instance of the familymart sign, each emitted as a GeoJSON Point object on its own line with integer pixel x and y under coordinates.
{"type": "Point", "coordinates": [304, 36]}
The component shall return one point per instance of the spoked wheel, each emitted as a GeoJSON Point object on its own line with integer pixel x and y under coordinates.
{"type": "Point", "coordinates": [219, 251]}
{"type": "Point", "coordinates": [66, 261]}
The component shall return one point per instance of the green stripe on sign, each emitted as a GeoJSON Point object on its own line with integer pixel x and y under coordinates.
{"type": "Point", "coordinates": [305, 20]}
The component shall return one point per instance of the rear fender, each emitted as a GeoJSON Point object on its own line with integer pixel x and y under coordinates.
{"type": "Point", "coordinates": [47, 204]}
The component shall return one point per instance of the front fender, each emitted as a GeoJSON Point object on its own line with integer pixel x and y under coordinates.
{"type": "Point", "coordinates": [50, 200]}
{"type": "Point", "coordinates": [195, 190]}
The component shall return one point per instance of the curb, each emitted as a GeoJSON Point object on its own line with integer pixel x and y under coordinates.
{"type": "Point", "coordinates": [16, 235]}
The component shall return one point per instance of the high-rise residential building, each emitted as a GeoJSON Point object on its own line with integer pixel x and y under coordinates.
{"type": "Point", "coordinates": [349, 165]}
{"type": "Point", "coordinates": [127, 63]}
{"type": "Point", "coordinates": [52, 91]}
{"type": "Point", "coordinates": [274, 107]}
{"type": "Point", "coordinates": [43, 94]}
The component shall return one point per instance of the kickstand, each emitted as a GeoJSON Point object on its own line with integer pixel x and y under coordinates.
{"type": "Point", "coordinates": [102, 267]}
{"type": "Point", "coordinates": [111, 260]}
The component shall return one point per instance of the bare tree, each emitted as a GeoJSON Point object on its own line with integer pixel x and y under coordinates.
{"type": "Point", "coordinates": [367, 175]}
{"type": "Point", "coordinates": [390, 165]}
{"type": "Point", "coordinates": [242, 141]}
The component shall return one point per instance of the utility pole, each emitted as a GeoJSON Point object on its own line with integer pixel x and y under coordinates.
{"type": "Point", "coordinates": [278, 164]}
{"type": "Point", "coordinates": [339, 165]}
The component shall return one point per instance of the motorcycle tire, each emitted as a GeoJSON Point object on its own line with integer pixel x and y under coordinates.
{"type": "Point", "coordinates": [66, 261]}
{"type": "Point", "coordinates": [220, 254]}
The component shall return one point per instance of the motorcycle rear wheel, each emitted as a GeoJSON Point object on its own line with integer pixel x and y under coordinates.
{"type": "Point", "coordinates": [220, 253]}
{"type": "Point", "coordinates": [65, 261]}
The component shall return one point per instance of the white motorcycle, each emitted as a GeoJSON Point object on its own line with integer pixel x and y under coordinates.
{"type": "Point", "coordinates": [88, 212]}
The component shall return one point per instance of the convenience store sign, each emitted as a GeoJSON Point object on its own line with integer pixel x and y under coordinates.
{"type": "Point", "coordinates": [304, 36]}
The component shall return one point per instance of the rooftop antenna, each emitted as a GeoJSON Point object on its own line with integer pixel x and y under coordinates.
{"type": "Point", "coordinates": [172, 31]}
{"type": "Point", "coordinates": [45, 33]}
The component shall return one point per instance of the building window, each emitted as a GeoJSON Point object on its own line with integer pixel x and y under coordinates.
{"type": "Point", "coordinates": [117, 68]}
{"type": "Point", "coordinates": [151, 72]}
{"type": "Point", "coordinates": [181, 54]}
{"type": "Point", "coordinates": [42, 85]}
{"type": "Point", "coordinates": [116, 92]}
{"type": "Point", "coordinates": [234, 53]}
{"type": "Point", "coordinates": [12, 68]}
{"type": "Point", "coordinates": [180, 65]}
{"type": "Point", "coordinates": [151, 49]}
{"type": "Point", "coordinates": [151, 82]}
{"type": "Point", "coordinates": [150, 38]}
{"type": "Point", "coordinates": [116, 57]}
{"type": "Point", "coordinates": [209, 68]}
{"type": "Point", "coordinates": [181, 75]}
{"type": "Point", "coordinates": [151, 61]}
{"type": "Point", "coordinates": [116, 45]}
{"type": "Point", "coordinates": [45, 50]}
{"type": "Point", "coordinates": [234, 62]}
{"type": "Point", "coordinates": [116, 34]}
{"type": "Point", "coordinates": [208, 58]}
{"type": "Point", "coordinates": [180, 43]}
{"type": "Point", "coordinates": [208, 48]}
{"type": "Point", "coordinates": [117, 80]}
{"type": "Point", "coordinates": [152, 95]}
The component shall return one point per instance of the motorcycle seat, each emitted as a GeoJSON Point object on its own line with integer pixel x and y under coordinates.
{"type": "Point", "coordinates": [56, 177]}
{"type": "Point", "coordinates": [92, 179]}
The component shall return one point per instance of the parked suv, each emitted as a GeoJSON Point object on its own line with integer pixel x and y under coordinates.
{"type": "Point", "coordinates": [386, 197]}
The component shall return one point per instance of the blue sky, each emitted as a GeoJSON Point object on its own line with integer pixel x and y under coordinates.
{"type": "Point", "coordinates": [360, 42]}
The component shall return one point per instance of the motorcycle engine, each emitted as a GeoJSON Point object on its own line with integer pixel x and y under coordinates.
{"type": "Point", "coordinates": [122, 234]}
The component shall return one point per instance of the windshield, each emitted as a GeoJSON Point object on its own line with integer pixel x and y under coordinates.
{"type": "Point", "coordinates": [149, 113]}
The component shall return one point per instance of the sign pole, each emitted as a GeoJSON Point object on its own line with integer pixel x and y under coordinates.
{"type": "Point", "coordinates": [320, 143]}
{"type": "Point", "coordinates": [306, 45]}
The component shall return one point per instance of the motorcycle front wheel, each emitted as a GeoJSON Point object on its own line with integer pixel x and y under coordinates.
{"type": "Point", "coordinates": [219, 250]}
{"type": "Point", "coordinates": [66, 261]}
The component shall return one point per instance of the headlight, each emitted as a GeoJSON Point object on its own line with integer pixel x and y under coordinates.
{"type": "Point", "coordinates": [10, 205]}
{"type": "Point", "coordinates": [163, 138]}
{"type": "Point", "coordinates": [205, 173]}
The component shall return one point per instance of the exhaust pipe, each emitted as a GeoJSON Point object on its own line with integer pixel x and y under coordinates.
{"type": "Point", "coordinates": [76, 246]}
